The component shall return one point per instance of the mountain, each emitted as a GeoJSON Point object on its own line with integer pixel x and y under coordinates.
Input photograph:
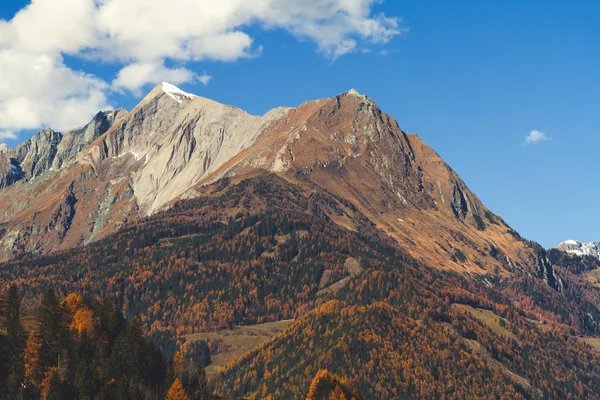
{"type": "Point", "coordinates": [580, 249]}
{"type": "Point", "coordinates": [198, 217]}
{"type": "Point", "coordinates": [173, 143]}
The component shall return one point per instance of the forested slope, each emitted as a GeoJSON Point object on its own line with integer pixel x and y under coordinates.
{"type": "Point", "coordinates": [263, 248]}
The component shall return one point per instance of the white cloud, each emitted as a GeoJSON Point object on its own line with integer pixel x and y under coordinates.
{"type": "Point", "coordinates": [536, 137]}
{"type": "Point", "coordinates": [134, 76]}
{"type": "Point", "coordinates": [143, 36]}
{"type": "Point", "coordinates": [7, 135]}
{"type": "Point", "coordinates": [204, 79]}
{"type": "Point", "coordinates": [39, 90]}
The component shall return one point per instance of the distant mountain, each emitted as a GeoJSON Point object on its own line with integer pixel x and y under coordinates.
{"type": "Point", "coordinates": [580, 249]}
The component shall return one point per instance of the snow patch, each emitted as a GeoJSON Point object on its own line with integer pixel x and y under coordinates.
{"type": "Point", "coordinates": [175, 93]}
{"type": "Point", "coordinates": [137, 156]}
{"type": "Point", "coordinates": [580, 249]}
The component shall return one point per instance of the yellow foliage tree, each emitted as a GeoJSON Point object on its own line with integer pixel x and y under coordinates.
{"type": "Point", "coordinates": [176, 391]}
{"type": "Point", "coordinates": [85, 320]}
{"type": "Point", "coordinates": [326, 386]}
{"type": "Point", "coordinates": [72, 303]}
{"type": "Point", "coordinates": [51, 384]}
{"type": "Point", "coordinates": [31, 357]}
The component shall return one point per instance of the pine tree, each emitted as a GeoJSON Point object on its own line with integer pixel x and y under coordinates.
{"type": "Point", "coordinates": [176, 391]}
{"type": "Point", "coordinates": [14, 329]}
{"type": "Point", "coordinates": [16, 341]}
{"type": "Point", "coordinates": [52, 330]}
{"type": "Point", "coordinates": [202, 390]}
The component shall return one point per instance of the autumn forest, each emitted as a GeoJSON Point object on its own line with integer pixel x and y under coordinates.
{"type": "Point", "coordinates": [115, 319]}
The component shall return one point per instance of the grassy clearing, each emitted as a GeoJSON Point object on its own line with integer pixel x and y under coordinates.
{"type": "Point", "coordinates": [538, 324]}
{"type": "Point", "coordinates": [594, 342]}
{"type": "Point", "coordinates": [489, 318]}
{"type": "Point", "coordinates": [239, 341]}
{"type": "Point", "coordinates": [593, 277]}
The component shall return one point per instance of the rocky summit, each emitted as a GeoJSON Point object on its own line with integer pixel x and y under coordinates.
{"type": "Point", "coordinates": [580, 249]}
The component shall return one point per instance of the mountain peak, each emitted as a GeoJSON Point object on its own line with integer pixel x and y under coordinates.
{"type": "Point", "coordinates": [177, 94]}
{"type": "Point", "coordinates": [354, 92]}
{"type": "Point", "coordinates": [581, 249]}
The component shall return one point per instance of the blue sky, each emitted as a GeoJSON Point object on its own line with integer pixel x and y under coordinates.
{"type": "Point", "coordinates": [472, 78]}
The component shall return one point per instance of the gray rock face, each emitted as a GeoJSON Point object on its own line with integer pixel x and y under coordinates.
{"type": "Point", "coordinates": [10, 172]}
{"type": "Point", "coordinates": [173, 140]}
{"type": "Point", "coordinates": [36, 155]}
{"type": "Point", "coordinates": [75, 141]}
{"type": "Point", "coordinates": [50, 150]}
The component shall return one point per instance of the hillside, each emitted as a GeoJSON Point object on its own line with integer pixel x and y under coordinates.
{"type": "Point", "coordinates": [257, 249]}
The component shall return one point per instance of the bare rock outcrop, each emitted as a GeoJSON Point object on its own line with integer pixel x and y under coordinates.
{"type": "Point", "coordinates": [35, 155]}
{"type": "Point", "coordinates": [75, 141]}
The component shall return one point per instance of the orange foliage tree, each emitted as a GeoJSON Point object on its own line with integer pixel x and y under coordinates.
{"type": "Point", "coordinates": [31, 358]}
{"type": "Point", "coordinates": [176, 391]}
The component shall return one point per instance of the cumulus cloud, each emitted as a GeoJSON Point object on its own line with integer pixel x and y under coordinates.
{"type": "Point", "coordinates": [7, 135]}
{"type": "Point", "coordinates": [535, 137]}
{"type": "Point", "coordinates": [38, 90]}
{"type": "Point", "coordinates": [136, 75]}
{"type": "Point", "coordinates": [143, 36]}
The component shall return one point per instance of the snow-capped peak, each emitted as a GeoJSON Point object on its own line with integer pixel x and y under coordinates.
{"type": "Point", "coordinates": [580, 249]}
{"type": "Point", "coordinates": [177, 94]}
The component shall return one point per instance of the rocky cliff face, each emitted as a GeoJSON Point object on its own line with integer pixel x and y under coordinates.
{"type": "Point", "coordinates": [75, 141]}
{"type": "Point", "coordinates": [580, 249]}
{"type": "Point", "coordinates": [10, 171]}
{"type": "Point", "coordinates": [50, 150]}
{"type": "Point", "coordinates": [173, 143]}
{"type": "Point", "coordinates": [35, 155]}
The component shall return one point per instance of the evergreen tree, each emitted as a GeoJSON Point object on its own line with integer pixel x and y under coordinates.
{"type": "Point", "coordinates": [202, 390]}
{"type": "Point", "coordinates": [52, 330]}
{"type": "Point", "coordinates": [16, 342]}
{"type": "Point", "coordinates": [14, 329]}
{"type": "Point", "coordinates": [4, 366]}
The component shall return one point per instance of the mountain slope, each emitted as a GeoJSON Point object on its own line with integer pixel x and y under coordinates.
{"type": "Point", "coordinates": [348, 146]}
{"type": "Point", "coordinates": [259, 248]}
{"type": "Point", "coordinates": [146, 159]}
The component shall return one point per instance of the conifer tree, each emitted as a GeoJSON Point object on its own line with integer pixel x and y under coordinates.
{"type": "Point", "coordinates": [14, 329]}
{"type": "Point", "coordinates": [52, 329]}
{"type": "Point", "coordinates": [202, 390]}
{"type": "Point", "coordinates": [15, 340]}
